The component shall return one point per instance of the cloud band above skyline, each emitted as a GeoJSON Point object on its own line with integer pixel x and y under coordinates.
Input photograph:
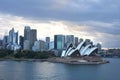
{"type": "Point", "coordinates": [98, 20]}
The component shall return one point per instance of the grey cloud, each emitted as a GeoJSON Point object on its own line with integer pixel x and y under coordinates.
{"type": "Point", "coordinates": [98, 18]}
{"type": "Point", "coordinates": [95, 27]}
{"type": "Point", "coordinates": [109, 37]}
{"type": "Point", "coordinates": [107, 33]}
{"type": "Point", "coordinates": [109, 41]}
{"type": "Point", "coordinates": [73, 10]}
{"type": "Point", "coordinates": [109, 28]}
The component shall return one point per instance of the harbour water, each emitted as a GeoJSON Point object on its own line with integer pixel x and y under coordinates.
{"type": "Point", "coordinates": [35, 70]}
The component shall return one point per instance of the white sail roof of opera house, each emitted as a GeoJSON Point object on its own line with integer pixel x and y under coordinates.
{"type": "Point", "coordinates": [82, 48]}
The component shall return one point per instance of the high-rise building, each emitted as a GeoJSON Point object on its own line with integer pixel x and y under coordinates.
{"type": "Point", "coordinates": [80, 40]}
{"type": "Point", "coordinates": [26, 45]}
{"type": "Point", "coordinates": [5, 42]}
{"type": "Point", "coordinates": [39, 46]}
{"type": "Point", "coordinates": [87, 41]}
{"type": "Point", "coordinates": [59, 41]}
{"type": "Point", "coordinates": [30, 35]}
{"type": "Point", "coordinates": [13, 40]}
{"type": "Point", "coordinates": [47, 39]}
{"type": "Point", "coordinates": [47, 42]}
{"type": "Point", "coordinates": [33, 37]}
{"type": "Point", "coordinates": [42, 45]}
{"type": "Point", "coordinates": [76, 41]}
{"type": "Point", "coordinates": [51, 45]}
{"type": "Point", "coordinates": [99, 47]}
{"type": "Point", "coordinates": [68, 40]}
{"type": "Point", "coordinates": [36, 46]}
{"type": "Point", "coordinates": [16, 36]}
{"type": "Point", "coordinates": [11, 35]}
{"type": "Point", "coordinates": [1, 44]}
{"type": "Point", "coordinates": [21, 41]}
{"type": "Point", "coordinates": [27, 33]}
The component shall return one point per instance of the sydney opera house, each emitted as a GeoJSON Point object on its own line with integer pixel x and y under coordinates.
{"type": "Point", "coordinates": [82, 49]}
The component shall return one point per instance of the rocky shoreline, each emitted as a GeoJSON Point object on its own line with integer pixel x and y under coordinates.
{"type": "Point", "coordinates": [66, 60]}
{"type": "Point", "coordinates": [82, 60]}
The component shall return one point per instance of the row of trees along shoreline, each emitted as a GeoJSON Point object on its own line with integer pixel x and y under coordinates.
{"type": "Point", "coordinates": [21, 54]}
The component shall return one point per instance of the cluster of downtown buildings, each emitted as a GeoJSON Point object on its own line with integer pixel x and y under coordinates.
{"type": "Point", "coordinates": [29, 41]}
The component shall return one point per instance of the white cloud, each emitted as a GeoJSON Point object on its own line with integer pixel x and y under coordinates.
{"type": "Point", "coordinates": [94, 30]}
{"type": "Point", "coordinates": [49, 28]}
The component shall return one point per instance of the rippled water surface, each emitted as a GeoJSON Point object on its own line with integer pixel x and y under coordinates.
{"type": "Point", "coordinates": [28, 70]}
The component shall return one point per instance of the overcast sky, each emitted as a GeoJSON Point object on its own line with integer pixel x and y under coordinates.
{"type": "Point", "coordinates": [98, 20]}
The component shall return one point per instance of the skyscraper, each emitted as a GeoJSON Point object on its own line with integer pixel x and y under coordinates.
{"type": "Point", "coordinates": [1, 44]}
{"type": "Point", "coordinates": [59, 41]}
{"type": "Point", "coordinates": [11, 36]}
{"type": "Point", "coordinates": [80, 40]}
{"type": "Point", "coordinates": [99, 47]}
{"type": "Point", "coordinates": [26, 45]}
{"type": "Point", "coordinates": [16, 36]}
{"type": "Point", "coordinates": [33, 37]}
{"type": "Point", "coordinates": [21, 41]}
{"type": "Point", "coordinates": [69, 39]}
{"type": "Point", "coordinates": [39, 46]}
{"type": "Point", "coordinates": [27, 33]}
{"type": "Point", "coordinates": [36, 46]}
{"type": "Point", "coordinates": [5, 42]}
{"type": "Point", "coordinates": [47, 39]}
{"type": "Point", "coordinates": [42, 45]}
{"type": "Point", "coordinates": [30, 35]}
{"type": "Point", "coordinates": [13, 40]}
{"type": "Point", "coordinates": [76, 41]}
{"type": "Point", "coordinates": [87, 41]}
{"type": "Point", "coordinates": [47, 42]}
{"type": "Point", "coordinates": [51, 45]}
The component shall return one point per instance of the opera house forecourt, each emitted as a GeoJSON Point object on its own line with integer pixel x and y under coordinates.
{"type": "Point", "coordinates": [82, 54]}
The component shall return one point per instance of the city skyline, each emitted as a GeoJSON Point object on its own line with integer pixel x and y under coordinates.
{"type": "Point", "coordinates": [59, 39]}
{"type": "Point", "coordinates": [97, 20]}
{"type": "Point", "coordinates": [30, 42]}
